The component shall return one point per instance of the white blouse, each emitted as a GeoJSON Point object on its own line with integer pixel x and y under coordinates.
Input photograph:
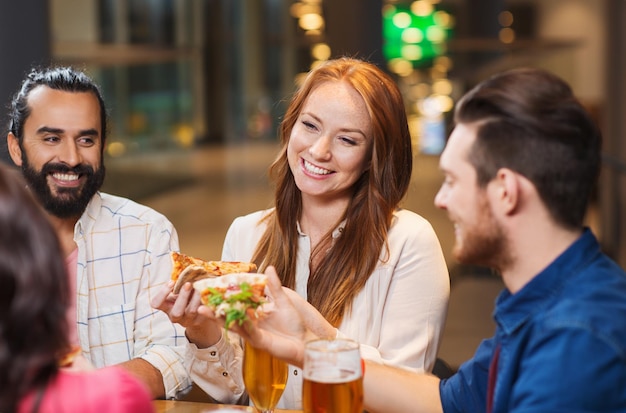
{"type": "Point", "coordinates": [398, 317]}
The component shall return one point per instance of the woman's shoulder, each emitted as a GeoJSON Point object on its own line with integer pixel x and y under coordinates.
{"type": "Point", "coordinates": [404, 217]}
{"type": "Point", "coordinates": [408, 226]}
{"type": "Point", "coordinates": [252, 219]}
{"type": "Point", "coordinates": [243, 235]}
{"type": "Point", "coordinates": [107, 389]}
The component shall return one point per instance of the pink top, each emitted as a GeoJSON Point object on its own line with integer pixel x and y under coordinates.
{"type": "Point", "coordinates": [110, 389]}
{"type": "Point", "coordinates": [70, 264]}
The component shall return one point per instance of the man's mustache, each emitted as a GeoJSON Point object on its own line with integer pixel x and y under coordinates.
{"type": "Point", "coordinates": [79, 169]}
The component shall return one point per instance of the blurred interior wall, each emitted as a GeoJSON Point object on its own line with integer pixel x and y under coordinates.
{"type": "Point", "coordinates": [24, 42]}
{"type": "Point", "coordinates": [354, 28]}
{"type": "Point", "coordinates": [613, 179]}
{"type": "Point", "coordinates": [583, 65]}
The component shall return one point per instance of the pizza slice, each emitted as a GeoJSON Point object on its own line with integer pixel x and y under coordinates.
{"type": "Point", "coordinates": [231, 295]}
{"type": "Point", "coordinates": [181, 261]}
{"type": "Point", "coordinates": [186, 268]}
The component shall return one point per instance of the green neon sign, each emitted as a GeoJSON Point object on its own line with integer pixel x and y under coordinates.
{"type": "Point", "coordinates": [414, 38]}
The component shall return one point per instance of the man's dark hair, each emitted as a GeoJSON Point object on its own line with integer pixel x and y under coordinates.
{"type": "Point", "coordinates": [530, 122]}
{"type": "Point", "coordinates": [59, 78]}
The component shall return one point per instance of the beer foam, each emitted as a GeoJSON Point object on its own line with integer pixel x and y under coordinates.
{"type": "Point", "coordinates": [332, 375]}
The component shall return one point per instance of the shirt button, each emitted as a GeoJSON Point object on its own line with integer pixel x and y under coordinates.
{"type": "Point", "coordinates": [295, 372]}
{"type": "Point", "coordinates": [224, 373]}
{"type": "Point", "coordinates": [213, 353]}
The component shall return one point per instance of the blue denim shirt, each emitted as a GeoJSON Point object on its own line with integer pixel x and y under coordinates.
{"type": "Point", "coordinates": [562, 341]}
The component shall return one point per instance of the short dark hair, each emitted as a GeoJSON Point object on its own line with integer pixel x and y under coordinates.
{"type": "Point", "coordinates": [529, 121]}
{"type": "Point", "coordinates": [62, 78]}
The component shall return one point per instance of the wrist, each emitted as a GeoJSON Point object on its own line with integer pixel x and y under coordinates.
{"type": "Point", "coordinates": [309, 336]}
{"type": "Point", "coordinates": [202, 337]}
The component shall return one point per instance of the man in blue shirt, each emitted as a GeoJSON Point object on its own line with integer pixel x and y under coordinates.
{"type": "Point", "coordinates": [519, 167]}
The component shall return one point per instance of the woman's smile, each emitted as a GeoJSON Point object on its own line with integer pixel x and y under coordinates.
{"type": "Point", "coordinates": [314, 170]}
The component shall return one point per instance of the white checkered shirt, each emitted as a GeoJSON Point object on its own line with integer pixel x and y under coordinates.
{"type": "Point", "coordinates": [123, 259]}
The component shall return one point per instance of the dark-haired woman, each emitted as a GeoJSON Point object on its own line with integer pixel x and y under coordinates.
{"type": "Point", "coordinates": [36, 374]}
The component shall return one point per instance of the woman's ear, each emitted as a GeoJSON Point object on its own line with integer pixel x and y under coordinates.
{"type": "Point", "coordinates": [15, 151]}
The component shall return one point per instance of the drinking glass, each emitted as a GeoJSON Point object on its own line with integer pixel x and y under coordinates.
{"type": "Point", "coordinates": [265, 378]}
{"type": "Point", "coordinates": [333, 377]}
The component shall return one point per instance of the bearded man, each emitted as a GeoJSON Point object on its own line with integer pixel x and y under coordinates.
{"type": "Point", "coordinates": [117, 251]}
{"type": "Point", "coordinates": [519, 170]}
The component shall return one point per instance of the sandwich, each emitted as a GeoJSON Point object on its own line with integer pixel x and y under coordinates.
{"type": "Point", "coordinates": [232, 295]}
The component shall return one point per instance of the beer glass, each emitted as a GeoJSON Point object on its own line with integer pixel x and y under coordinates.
{"type": "Point", "coordinates": [333, 377]}
{"type": "Point", "coordinates": [265, 378]}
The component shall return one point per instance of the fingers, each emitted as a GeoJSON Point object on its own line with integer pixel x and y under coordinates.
{"type": "Point", "coordinates": [289, 300]}
{"type": "Point", "coordinates": [195, 303]}
{"type": "Point", "coordinates": [183, 307]}
{"type": "Point", "coordinates": [278, 296]}
{"type": "Point", "coordinates": [274, 285]}
{"type": "Point", "coordinates": [206, 312]}
{"type": "Point", "coordinates": [159, 299]}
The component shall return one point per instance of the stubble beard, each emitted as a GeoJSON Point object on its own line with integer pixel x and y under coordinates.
{"type": "Point", "coordinates": [483, 244]}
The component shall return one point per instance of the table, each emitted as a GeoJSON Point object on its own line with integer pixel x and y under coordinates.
{"type": "Point", "coordinates": [172, 406]}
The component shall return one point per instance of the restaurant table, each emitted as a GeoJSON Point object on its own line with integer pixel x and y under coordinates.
{"type": "Point", "coordinates": [173, 406]}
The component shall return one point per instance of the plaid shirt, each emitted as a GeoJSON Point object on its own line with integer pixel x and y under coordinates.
{"type": "Point", "coordinates": [123, 259]}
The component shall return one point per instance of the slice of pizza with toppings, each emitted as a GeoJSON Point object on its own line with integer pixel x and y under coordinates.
{"type": "Point", "coordinates": [231, 295]}
{"type": "Point", "coordinates": [181, 261]}
{"type": "Point", "coordinates": [219, 268]}
{"type": "Point", "coordinates": [186, 268]}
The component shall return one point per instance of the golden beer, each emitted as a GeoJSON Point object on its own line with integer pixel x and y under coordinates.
{"type": "Point", "coordinates": [265, 378]}
{"type": "Point", "coordinates": [346, 397]}
{"type": "Point", "coordinates": [333, 377]}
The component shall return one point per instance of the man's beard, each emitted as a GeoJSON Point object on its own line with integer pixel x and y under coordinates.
{"type": "Point", "coordinates": [67, 202]}
{"type": "Point", "coordinates": [484, 244]}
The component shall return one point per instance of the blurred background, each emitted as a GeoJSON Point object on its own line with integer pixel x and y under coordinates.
{"type": "Point", "coordinates": [196, 88]}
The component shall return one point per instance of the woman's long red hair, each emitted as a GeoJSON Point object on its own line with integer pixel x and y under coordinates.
{"type": "Point", "coordinates": [341, 268]}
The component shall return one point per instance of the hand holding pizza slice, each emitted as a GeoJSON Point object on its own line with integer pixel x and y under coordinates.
{"type": "Point", "coordinates": [231, 295]}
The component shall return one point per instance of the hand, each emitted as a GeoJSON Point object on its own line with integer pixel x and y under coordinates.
{"type": "Point", "coordinates": [182, 308]}
{"type": "Point", "coordinates": [278, 327]}
{"type": "Point", "coordinates": [313, 320]}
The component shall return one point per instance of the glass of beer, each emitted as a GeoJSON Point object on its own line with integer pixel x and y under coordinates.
{"type": "Point", "coordinates": [265, 378]}
{"type": "Point", "coordinates": [333, 377]}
